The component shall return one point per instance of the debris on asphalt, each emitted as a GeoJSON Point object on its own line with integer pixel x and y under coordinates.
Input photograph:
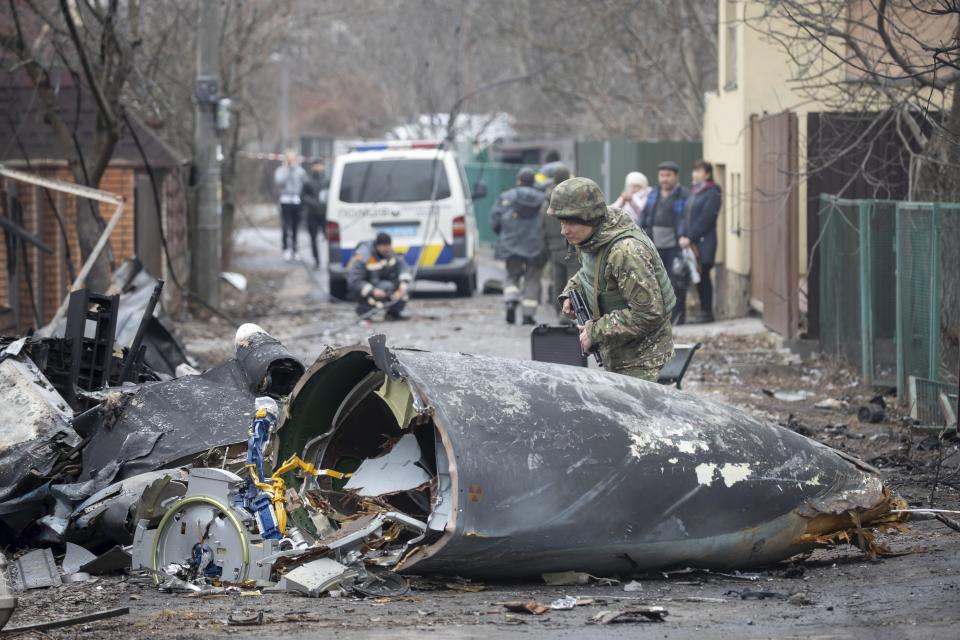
{"type": "Point", "coordinates": [831, 404]}
{"type": "Point", "coordinates": [111, 561]}
{"type": "Point", "coordinates": [68, 622]}
{"type": "Point", "coordinates": [258, 475]}
{"type": "Point", "coordinates": [466, 587]}
{"type": "Point", "coordinates": [8, 601]}
{"type": "Point", "coordinates": [571, 578]}
{"type": "Point", "coordinates": [536, 608]}
{"type": "Point", "coordinates": [749, 594]}
{"type": "Point", "coordinates": [35, 570]}
{"type": "Point", "coordinates": [75, 558]}
{"type": "Point", "coordinates": [874, 411]}
{"type": "Point", "coordinates": [800, 599]}
{"type": "Point", "coordinates": [238, 619]}
{"type": "Point", "coordinates": [633, 614]}
{"type": "Point", "coordinates": [316, 577]}
{"type": "Point", "coordinates": [787, 396]}
{"type": "Point", "coordinates": [568, 603]}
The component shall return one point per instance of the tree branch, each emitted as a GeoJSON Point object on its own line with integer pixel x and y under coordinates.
{"type": "Point", "coordinates": [105, 110]}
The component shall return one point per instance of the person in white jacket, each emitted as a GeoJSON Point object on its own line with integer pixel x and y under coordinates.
{"type": "Point", "coordinates": [289, 178]}
{"type": "Point", "coordinates": [636, 188]}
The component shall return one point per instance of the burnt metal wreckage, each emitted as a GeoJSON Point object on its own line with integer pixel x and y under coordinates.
{"type": "Point", "coordinates": [379, 462]}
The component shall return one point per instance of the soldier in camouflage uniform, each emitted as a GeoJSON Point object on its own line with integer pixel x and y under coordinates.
{"type": "Point", "coordinates": [622, 279]}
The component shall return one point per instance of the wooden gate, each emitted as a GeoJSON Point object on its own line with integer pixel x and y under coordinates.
{"type": "Point", "coordinates": [774, 235]}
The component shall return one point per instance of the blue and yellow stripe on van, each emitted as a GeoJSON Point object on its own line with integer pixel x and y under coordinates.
{"type": "Point", "coordinates": [433, 254]}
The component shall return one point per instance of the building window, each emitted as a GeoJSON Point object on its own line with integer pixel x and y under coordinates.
{"type": "Point", "coordinates": [730, 52]}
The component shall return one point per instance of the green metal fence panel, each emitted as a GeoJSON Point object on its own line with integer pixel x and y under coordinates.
{"type": "Point", "coordinates": [920, 283]}
{"type": "Point", "coordinates": [498, 177]}
{"type": "Point", "coordinates": [590, 161]}
{"type": "Point", "coordinates": [881, 267]}
{"type": "Point", "coordinates": [881, 288]}
{"type": "Point", "coordinates": [650, 154]}
{"type": "Point", "coordinates": [841, 331]}
{"type": "Point", "coordinates": [625, 156]}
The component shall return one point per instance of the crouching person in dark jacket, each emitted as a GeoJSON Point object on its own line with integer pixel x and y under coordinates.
{"type": "Point", "coordinates": [379, 278]}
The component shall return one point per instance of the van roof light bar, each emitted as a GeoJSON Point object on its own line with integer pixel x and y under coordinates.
{"type": "Point", "coordinates": [398, 144]}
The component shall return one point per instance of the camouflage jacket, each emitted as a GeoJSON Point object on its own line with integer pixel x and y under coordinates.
{"type": "Point", "coordinates": [553, 240]}
{"type": "Point", "coordinates": [639, 334]}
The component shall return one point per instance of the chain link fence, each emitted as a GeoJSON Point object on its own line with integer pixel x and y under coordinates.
{"type": "Point", "coordinates": [882, 288]}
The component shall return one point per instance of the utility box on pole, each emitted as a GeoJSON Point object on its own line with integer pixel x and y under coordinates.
{"type": "Point", "coordinates": [207, 252]}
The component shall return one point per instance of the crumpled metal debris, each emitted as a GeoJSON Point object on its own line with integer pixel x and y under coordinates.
{"type": "Point", "coordinates": [565, 578]}
{"type": "Point", "coordinates": [75, 557]}
{"type": "Point", "coordinates": [317, 577]}
{"type": "Point", "coordinates": [35, 570]}
{"type": "Point", "coordinates": [81, 477]}
{"type": "Point", "coordinates": [565, 603]}
{"type": "Point", "coordinates": [8, 601]}
{"type": "Point", "coordinates": [163, 351]}
{"type": "Point", "coordinates": [37, 434]}
{"type": "Point", "coordinates": [398, 461]}
{"type": "Point", "coordinates": [632, 614]}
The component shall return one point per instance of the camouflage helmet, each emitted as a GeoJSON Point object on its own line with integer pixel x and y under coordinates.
{"type": "Point", "coordinates": [578, 199]}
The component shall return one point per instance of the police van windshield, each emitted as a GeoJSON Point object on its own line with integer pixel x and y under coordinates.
{"type": "Point", "coordinates": [393, 181]}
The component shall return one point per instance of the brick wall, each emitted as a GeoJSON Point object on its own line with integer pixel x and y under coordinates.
{"type": "Point", "coordinates": [49, 273]}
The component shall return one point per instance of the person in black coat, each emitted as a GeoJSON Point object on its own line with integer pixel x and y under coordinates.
{"type": "Point", "coordinates": [314, 199]}
{"type": "Point", "coordinates": [703, 207]}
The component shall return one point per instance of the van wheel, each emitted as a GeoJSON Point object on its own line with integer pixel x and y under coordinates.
{"type": "Point", "coordinates": [466, 285]}
{"type": "Point", "coordinates": [338, 290]}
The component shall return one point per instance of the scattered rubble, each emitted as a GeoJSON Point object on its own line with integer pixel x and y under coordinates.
{"type": "Point", "coordinates": [258, 475]}
{"type": "Point", "coordinates": [633, 614]}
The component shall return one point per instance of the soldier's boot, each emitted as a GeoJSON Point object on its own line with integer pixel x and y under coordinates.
{"type": "Point", "coordinates": [529, 308]}
{"type": "Point", "coordinates": [511, 312]}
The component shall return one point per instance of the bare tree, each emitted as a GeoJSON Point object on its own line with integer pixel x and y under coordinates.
{"type": "Point", "coordinates": [898, 56]}
{"type": "Point", "coordinates": [96, 43]}
{"type": "Point", "coordinates": [607, 67]}
{"type": "Point", "coordinates": [252, 35]}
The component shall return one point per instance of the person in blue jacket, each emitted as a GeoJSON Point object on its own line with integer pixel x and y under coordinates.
{"type": "Point", "coordinates": [663, 219]}
{"type": "Point", "coordinates": [700, 222]}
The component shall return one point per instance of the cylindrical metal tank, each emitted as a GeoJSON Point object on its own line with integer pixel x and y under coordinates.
{"type": "Point", "coordinates": [546, 467]}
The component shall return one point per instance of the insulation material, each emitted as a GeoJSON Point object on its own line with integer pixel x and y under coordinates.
{"type": "Point", "coordinates": [398, 470]}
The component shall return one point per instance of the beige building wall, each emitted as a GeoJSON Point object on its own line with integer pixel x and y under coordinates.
{"type": "Point", "coordinates": [755, 79]}
{"type": "Point", "coordinates": [754, 74]}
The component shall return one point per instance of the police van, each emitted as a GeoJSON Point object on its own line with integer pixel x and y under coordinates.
{"type": "Point", "coordinates": [415, 191]}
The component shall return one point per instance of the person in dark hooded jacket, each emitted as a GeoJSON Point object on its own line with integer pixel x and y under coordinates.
{"type": "Point", "coordinates": [703, 207]}
{"type": "Point", "coordinates": [517, 219]}
{"type": "Point", "coordinates": [314, 200]}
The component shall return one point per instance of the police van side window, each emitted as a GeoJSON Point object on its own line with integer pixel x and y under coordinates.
{"type": "Point", "coordinates": [393, 181]}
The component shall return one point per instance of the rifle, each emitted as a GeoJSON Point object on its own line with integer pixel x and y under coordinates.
{"type": "Point", "coordinates": [582, 312]}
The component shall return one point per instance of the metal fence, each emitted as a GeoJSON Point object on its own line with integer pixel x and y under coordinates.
{"type": "Point", "coordinates": [608, 162]}
{"type": "Point", "coordinates": [881, 287]}
{"type": "Point", "coordinates": [498, 177]}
